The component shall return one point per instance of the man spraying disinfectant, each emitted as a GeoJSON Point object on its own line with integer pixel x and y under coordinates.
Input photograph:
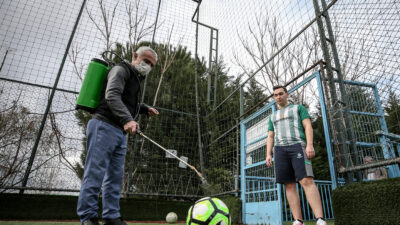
{"type": "Point", "coordinates": [115, 110]}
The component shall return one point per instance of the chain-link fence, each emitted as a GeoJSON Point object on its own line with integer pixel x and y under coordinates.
{"type": "Point", "coordinates": [367, 40]}
{"type": "Point", "coordinates": [244, 48]}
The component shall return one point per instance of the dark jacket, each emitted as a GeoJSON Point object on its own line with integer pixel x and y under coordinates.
{"type": "Point", "coordinates": [119, 102]}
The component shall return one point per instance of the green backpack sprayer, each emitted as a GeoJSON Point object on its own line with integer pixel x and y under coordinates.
{"type": "Point", "coordinates": [92, 85]}
{"type": "Point", "coordinates": [90, 94]}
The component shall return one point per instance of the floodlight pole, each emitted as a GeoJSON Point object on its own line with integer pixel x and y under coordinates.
{"type": "Point", "coordinates": [212, 58]}
{"type": "Point", "coordinates": [196, 71]}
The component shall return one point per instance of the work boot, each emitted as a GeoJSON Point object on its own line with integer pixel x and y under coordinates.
{"type": "Point", "coordinates": [117, 221]}
{"type": "Point", "coordinates": [91, 221]}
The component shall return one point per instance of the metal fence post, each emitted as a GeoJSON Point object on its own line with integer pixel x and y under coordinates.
{"type": "Point", "coordinates": [35, 146]}
{"type": "Point", "coordinates": [197, 92]}
{"type": "Point", "coordinates": [342, 89]}
{"type": "Point", "coordinates": [338, 115]}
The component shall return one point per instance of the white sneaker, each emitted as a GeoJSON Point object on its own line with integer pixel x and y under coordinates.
{"type": "Point", "coordinates": [321, 222]}
{"type": "Point", "coordinates": [297, 222]}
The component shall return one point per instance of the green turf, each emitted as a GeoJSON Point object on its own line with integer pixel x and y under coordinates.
{"type": "Point", "coordinates": [331, 222]}
{"type": "Point", "coordinates": [66, 223]}
{"type": "Point", "coordinates": [36, 223]}
{"type": "Point", "coordinates": [75, 223]}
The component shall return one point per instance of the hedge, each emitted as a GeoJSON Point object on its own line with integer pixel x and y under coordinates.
{"type": "Point", "coordinates": [60, 207]}
{"type": "Point", "coordinates": [372, 202]}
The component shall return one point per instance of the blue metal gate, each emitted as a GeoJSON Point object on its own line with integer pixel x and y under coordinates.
{"type": "Point", "coordinates": [261, 196]}
{"type": "Point", "coordinates": [263, 199]}
{"type": "Point", "coordinates": [370, 130]}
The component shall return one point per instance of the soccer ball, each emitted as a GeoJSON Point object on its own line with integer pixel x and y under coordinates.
{"type": "Point", "coordinates": [208, 211]}
{"type": "Point", "coordinates": [171, 217]}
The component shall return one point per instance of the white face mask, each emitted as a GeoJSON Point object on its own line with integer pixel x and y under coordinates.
{"type": "Point", "coordinates": [143, 68]}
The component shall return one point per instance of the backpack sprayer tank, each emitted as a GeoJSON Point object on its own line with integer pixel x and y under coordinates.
{"type": "Point", "coordinates": [90, 94]}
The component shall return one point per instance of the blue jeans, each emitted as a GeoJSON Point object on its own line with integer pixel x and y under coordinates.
{"type": "Point", "coordinates": [106, 150]}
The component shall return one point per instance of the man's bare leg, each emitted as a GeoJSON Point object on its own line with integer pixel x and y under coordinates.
{"type": "Point", "coordinates": [294, 200]}
{"type": "Point", "coordinates": [313, 197]}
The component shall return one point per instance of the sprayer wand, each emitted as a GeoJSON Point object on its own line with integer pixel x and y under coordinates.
{"type": "Point", "coordinates": [203, 179]}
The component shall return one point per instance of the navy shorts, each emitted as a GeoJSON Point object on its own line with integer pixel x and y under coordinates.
{"type": "Point", "coordinates": [291, 163]}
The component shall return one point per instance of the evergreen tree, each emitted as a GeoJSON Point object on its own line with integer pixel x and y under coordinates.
{"type": "Point", "coordinates": [321, 162]}
{"type": "Point", "coordinates": [254, 94]}
{"type": "Point", "coordinates": [217, 121]}
{"type": "Point", "coordinates": [393, 113]}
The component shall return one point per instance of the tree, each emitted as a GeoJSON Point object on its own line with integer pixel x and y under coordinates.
{"type": "Point", "coordinates": [321, 161]}
{"type": "Point", "coordinates": [264, 40]}
{"type": "Point", "coordinates": [219, 135]}
{"type": "Point", "coordinates": [392, 110]}
{"type": "Point", "coordinates": [18, 131]}
{"type": "Point", "coordinates": [106, 27]}
{"type": "Point", "coordinates": [254, 94]}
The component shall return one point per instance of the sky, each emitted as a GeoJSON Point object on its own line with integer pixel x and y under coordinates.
{"type": "Point", "coordinates": [37, 32]}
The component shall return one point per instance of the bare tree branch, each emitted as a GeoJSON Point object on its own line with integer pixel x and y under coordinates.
{"type": "Point", "coordinates": [58, 136]}
{"type": "Point", "coordinates": [73, 57]}
{"type": "Point", "coordinates": [107, 22]}
{"type": "Point", "coordinates": [138, 29]}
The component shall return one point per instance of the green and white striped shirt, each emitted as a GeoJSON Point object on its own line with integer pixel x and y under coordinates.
{"type": "Point", "coordinates": [287, 125]}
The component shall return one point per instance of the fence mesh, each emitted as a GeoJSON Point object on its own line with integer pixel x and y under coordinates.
{"type": "Point", "coordinates": [250, 44]}
{"type": "Point", "coordinates": [367, 37]}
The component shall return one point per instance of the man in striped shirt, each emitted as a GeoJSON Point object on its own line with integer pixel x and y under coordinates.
{"type": "Point", "coordinates": [291, 135]}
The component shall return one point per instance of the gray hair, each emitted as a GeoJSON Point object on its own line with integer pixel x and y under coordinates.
{"type": "Point", "coordinates": [142, 49]}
